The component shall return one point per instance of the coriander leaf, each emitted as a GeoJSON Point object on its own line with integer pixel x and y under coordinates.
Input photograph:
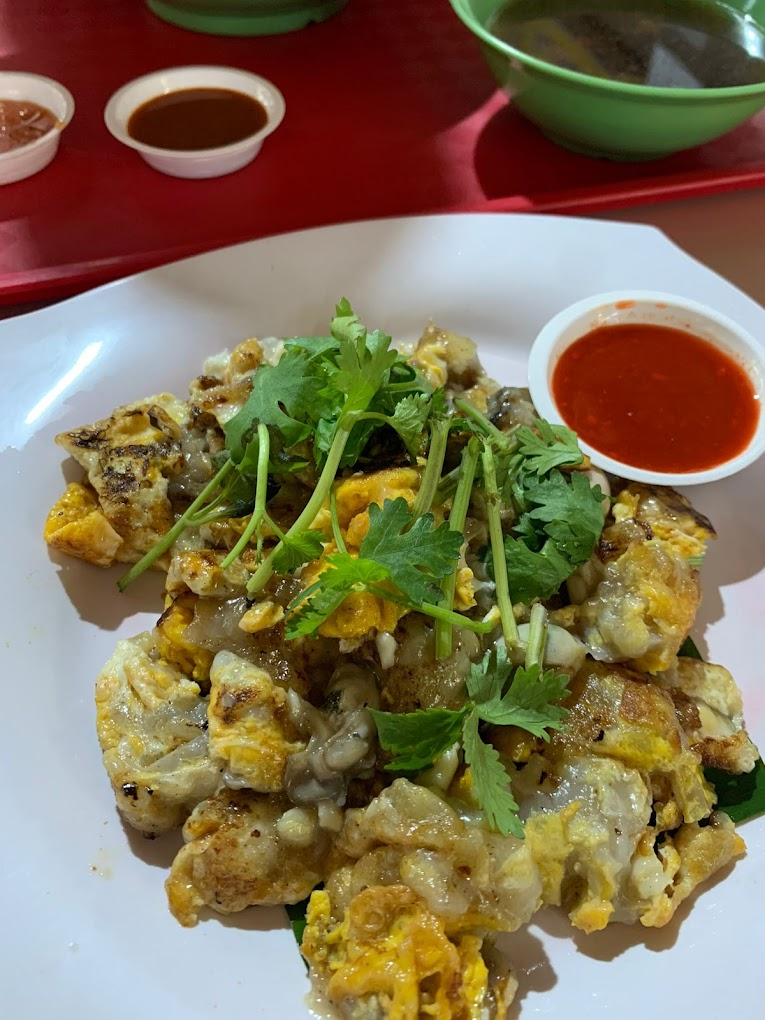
{"type": "Point", "coordinates": [363, 362]}
{"type": "Point", "coordinates": [344, 574]}
{"type": "Point", "coordinates": [551, 446]}
{"type": "Point", "coordinates": [561, 521]}
{"type": "Point", "coordinates": [283, 396]}
{"type": "Point", "coordinates": [297, 550]}
{"type": "Point", "coordinates": [409, 419]}
{"type": "Point", "coordinates": [487, 678]}
{"type": "Point", "coordinates": [740, 797]}
{"type": "Point", "coordinates": [491, 783]}
{"type": "Point", "coordinates": [534, 575]}
{"type": "Point", "coordinates": [571, 511]}
{"type": "Point", "coordinates": [316, 346]}
{"type": "Point", "coordinates": [407, 555]}
{"type": "Point", "coordinates": [417, 738]}
{"type": "Point", "coordinates": [529, 702]}
{"type": "Point", "coordinates": [386, 555]}
{"type": "Point", "coordinates": [346, 326]}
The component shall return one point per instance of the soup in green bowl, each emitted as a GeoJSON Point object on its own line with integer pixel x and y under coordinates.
{"type": "Point", "coordinates": [626, 79]}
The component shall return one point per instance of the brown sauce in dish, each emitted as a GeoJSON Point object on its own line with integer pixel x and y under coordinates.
{"type": "Point", "coordinates": [201, 118]}
{"type": "Point", "coordinates": [23, 122]}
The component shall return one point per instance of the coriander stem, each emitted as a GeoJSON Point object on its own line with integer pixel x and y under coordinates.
{"type": "Point", "coordinates": [488, 428]}
{"type": "Point", "coordinates": [467, 469]}
{"type": "Point", "coordinates": [265, 571]}
{"type": "Point", "coordinates": [180, 525]}
{"type": "Point", "coordinates": [439, 434]}
{"type": "Point", "coordinates": [535, 645]}
{"type": "Point", "coordinates": [504, 602]}
{"type": "Point", "coordinates": [447, 484]}
{"type": "Point", "coordinates": [437, 612]}
{"type": "Point", "coordinates": [336, 532]}
{"type": "Point", "coordinates": [274, 527]}
{"type": "Point", "coordinates": [261, 488]}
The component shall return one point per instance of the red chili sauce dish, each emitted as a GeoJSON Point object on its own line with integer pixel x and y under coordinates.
{"type": "Point", "coordinates": [656, 398]}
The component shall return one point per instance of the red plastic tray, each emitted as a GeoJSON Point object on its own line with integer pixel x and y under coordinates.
{"type": "Point", "coordinates": [390, 111]}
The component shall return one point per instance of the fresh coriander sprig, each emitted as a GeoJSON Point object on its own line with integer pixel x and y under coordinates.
{"type": "Point", "coordinates": [259, 510]}
{"type": "Point", "coordinates": [360, 372]}
{"type": "Point", "coordinates": [504, 603]}
{"type": "Point", "coordinates": [439, 434]}
{"type": "Point", "coordinates": [185, 520]}
{"type": "Point", "coordinates": [501, 440]}
{"type": "Point", "coordinates": [444, 631]}
{"type": "Point", "coordinates": [561, 520]}
{"type": "Point", "coordinates": [551, 446]}
{"type": "Point", "coordinates": [266, 569]}
{"type": "Point", "coordinates": [401, 560]}
{"type": "Point", "coordinates": [537, 637]}
{"type": "Point", "coordinates": [498, 694]}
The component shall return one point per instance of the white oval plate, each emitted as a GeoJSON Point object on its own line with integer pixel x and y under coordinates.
{"type": "Point", "coordinates": [87, 932]}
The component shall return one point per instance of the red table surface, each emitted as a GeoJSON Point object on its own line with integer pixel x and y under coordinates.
{"type": "Point", "coordinates": [390, 111]}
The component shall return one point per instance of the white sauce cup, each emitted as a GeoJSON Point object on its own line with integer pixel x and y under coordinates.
{"type": "Point", "coordinates": [195, 163]}
{"type": "Point", "coordinates": [658, 309]}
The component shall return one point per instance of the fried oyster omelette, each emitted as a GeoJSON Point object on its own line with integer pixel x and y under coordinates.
{"type": "Point", "coordinates": [417, 664]}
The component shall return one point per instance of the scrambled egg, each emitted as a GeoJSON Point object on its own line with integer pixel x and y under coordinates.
{"type": "Point", "coordinates": [390, 957]}
{"type": "Point", "coordinates": [78, 527]}
{"type": "Point", "coordinates": [710, 708]}
{"type": "Point", "coordinates": [151, 722]}
{"type": "Point", "coordinates": [399, 929]}
{"type": "Point", "coordinates": [641, 609]}
{"type": "Point", "coordinates": [174, 647]}
{"type": "Point", "coordinates": [128, 459]}
{"type": "Point", "coordinates": [249, 725]}
{"type": "Point", "coordinates": [669, 516]}
{"type": "Point", "coordinates": [613, 806]}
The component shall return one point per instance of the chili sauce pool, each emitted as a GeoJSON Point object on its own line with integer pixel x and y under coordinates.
{"type": "Point", "coordinates": [656, 398]}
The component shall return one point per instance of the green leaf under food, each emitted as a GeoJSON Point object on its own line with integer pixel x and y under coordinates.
{"type": "Point", "coordinates": [689, 650]}
{"type": "Point", "coordinates": [296, 912]}
{"type": "Point", "coordinates": [741, 797]}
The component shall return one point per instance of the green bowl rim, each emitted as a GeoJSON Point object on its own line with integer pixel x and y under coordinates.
{"type": "Point", "coordinates": [464, 12]}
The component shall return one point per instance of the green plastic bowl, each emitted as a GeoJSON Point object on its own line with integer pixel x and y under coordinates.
{"type": "Point", "coordinates": [599, 117]}
{"type": "Point", "coordinates": [244, 17]}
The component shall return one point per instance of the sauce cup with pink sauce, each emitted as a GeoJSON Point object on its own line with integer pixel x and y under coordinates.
{"type": "Point", "coordinates": [658, 388]}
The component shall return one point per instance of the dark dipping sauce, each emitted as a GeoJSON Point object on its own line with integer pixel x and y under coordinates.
{"type": "Point", "coordinates": [23, 122]}
{"type": "Point", "coordinates": [663, 43]}
{"type": "Point", "coordinates": [200, 118]}
{"type": "Point", "coordinates": [656, 398]}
